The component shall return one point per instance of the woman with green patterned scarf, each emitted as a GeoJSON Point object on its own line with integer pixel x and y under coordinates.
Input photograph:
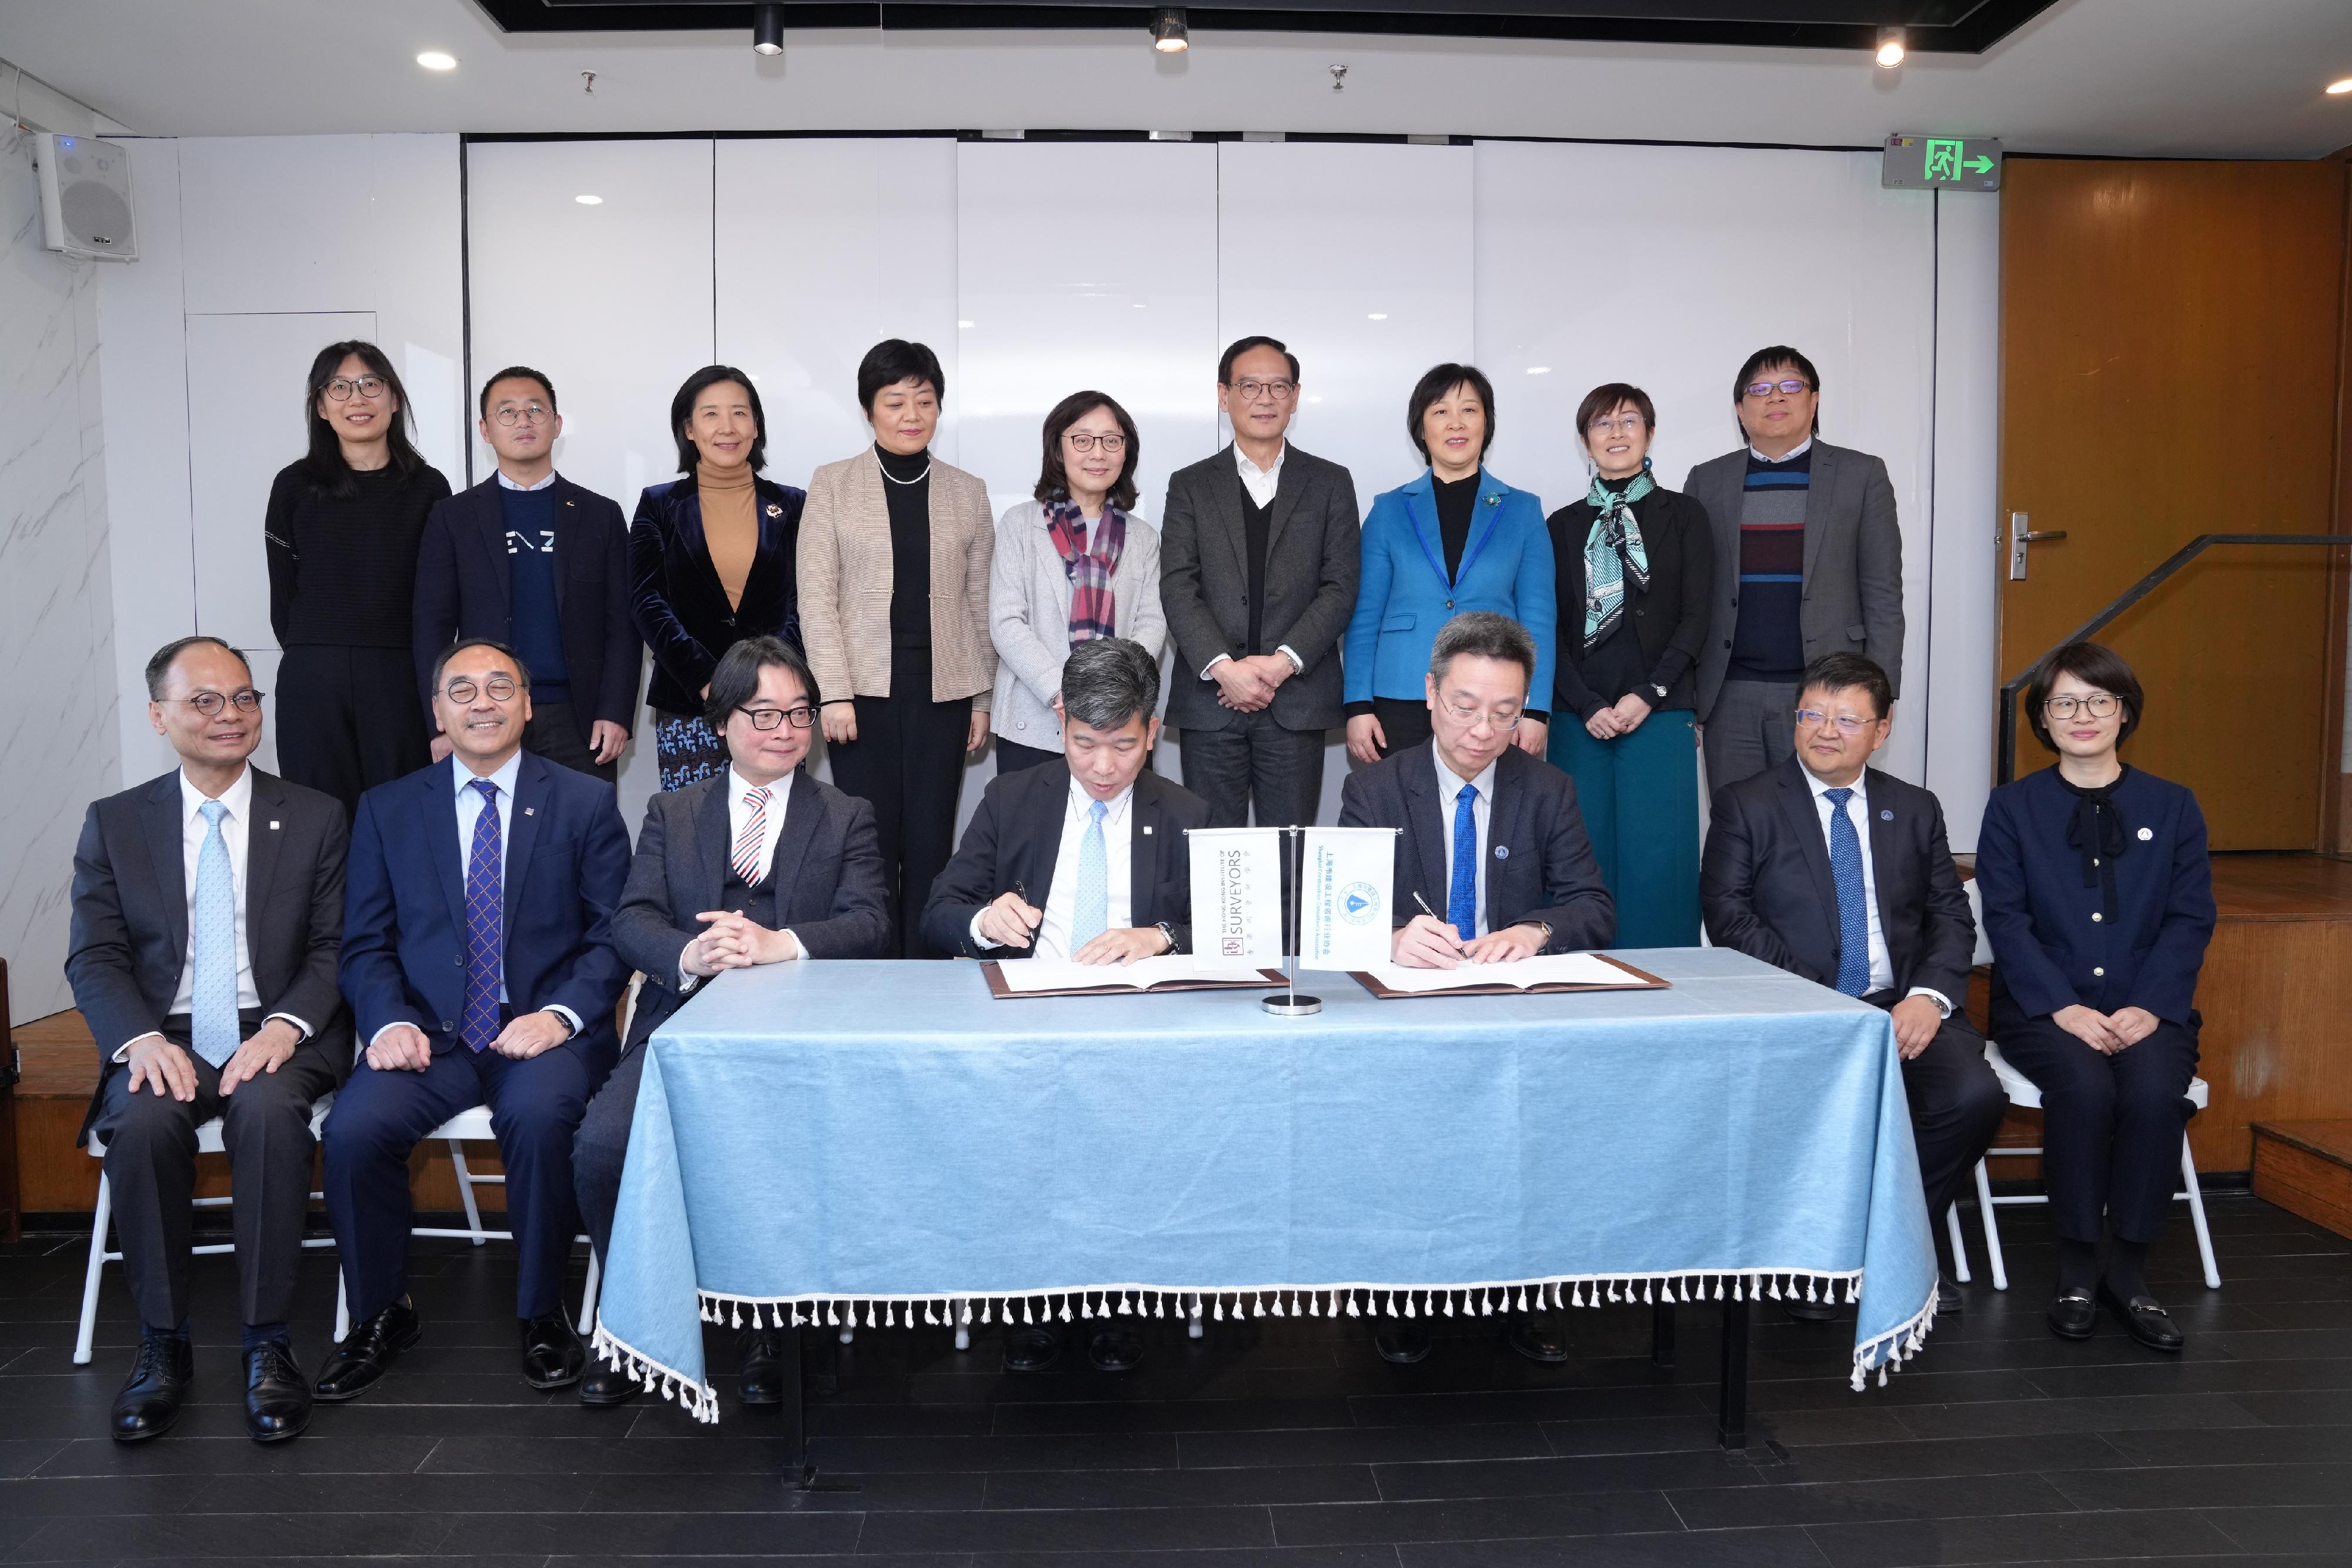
{"type": "Point", "coordinates": [1636, 568]}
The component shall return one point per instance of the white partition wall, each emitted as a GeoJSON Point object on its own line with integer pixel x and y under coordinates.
{"type": "Point", "coordinates": [1956, 713]}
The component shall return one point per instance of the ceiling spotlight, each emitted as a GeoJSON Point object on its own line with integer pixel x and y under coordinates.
{"type": "Point", "coordinates": [437, 60]}
{"type": "Point", "coordinates": [588, 201]}
{"type": "Point", "coordinates": [767, 29]}
{"type": "Point", "coordinates": [2340, 88]}
{"type": "Point", "coordinates": [1169, 35]}
{"type": "Point", "coordinates": [1890, 47]}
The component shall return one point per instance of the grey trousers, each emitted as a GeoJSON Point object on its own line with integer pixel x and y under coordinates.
{"type": "Point", "coordinates": [1253, 758]}
{"type": "Point", "coordinates": [1749, 730]}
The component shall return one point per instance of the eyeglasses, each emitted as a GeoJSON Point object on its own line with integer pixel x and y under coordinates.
{"type": "Point", "coordinates": [341, 387]}
{"type": "Point", "coordinates": [1814, 718]}
{"type": "Point", "coordinates": [2098, 704]}
{"type": "Point", "coordinates": [1632, 424]}
{"type": "Point", "coordinates": [770, 717]}
{"type": "Point", "coordinates": [1792, 386]}
{"type": "Point", "coordinates": [1469, 717]}
{"type": "Point", "coordinates": [532, 412]}
{"type": "Point", "coordinates": [461, 690]}
{"type": "Point", "coordinates": [210, 704]}
{"type": "Point", "coordinates": [1280, 391]}
{"type": "Point", "coordinates": [1084, 442]}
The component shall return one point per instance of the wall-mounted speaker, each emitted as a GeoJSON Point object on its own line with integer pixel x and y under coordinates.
{"type": "Point", "coordinates": [85, 197]}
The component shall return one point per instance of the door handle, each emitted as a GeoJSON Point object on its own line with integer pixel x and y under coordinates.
{"type": "Point", "coordinates": [2021, 533]}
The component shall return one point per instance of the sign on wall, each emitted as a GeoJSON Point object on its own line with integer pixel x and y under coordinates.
{"type": "Point", "coordinates": [1924, 162]}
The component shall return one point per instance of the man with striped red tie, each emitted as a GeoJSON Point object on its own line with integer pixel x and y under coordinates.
{"type": "Point", "coordinates": [759, 865]}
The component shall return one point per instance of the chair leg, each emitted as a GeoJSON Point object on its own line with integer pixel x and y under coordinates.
{"type": "Point", "coordinates": [2196, 1197]}
{"type": "Point", "coordinates": [1992, 1226]}
{"type": "Point", "coordinates": [465, 1190]}
{"type": "Point", "coordinates": [588, 1296]}
{"type": "Point", "coordinates": [848, 1332]}
{"type": "Point", "coordinates": [343, 1306]}
{"type": "Point", "coordinates": [97, 1224]}
{"type": "Point", "coordinates": [1960, 1248]}
{"type": "Point", "coordinates": [1193, 1326]}
{"type": "Point", "coordinates": [960, 1313]}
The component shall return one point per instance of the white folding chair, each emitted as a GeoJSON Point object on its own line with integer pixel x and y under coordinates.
{"type": "Point", "coordinates": [2021, 1091]}
{"type": "Point", "coordinates": [209, 1142]}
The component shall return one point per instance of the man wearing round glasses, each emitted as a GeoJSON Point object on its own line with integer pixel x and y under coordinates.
{"type": "Point", "coordinates": [1809, 561]}
{"type": "Point", "coordinates": [761, 863]}
{"type": "Point", "coordinates": [529, 558]}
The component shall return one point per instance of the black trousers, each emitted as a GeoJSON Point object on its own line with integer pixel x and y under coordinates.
{"type": "Point", "coordinates": [907, 763]}
{"type": "Point", "coordinates": [1404, 722]}
{"type": "Point", "coordinates": [2111, 1126]}
{"type": "Point", "coordinates": [150, 1169]}
{"type": "Point", "coordinates": [553, 733]}
{"type": "Point", "coordinates": [348, 719]}
{"type": "Point", "coordinates": [1011, 757]}
{"type": "Point", "coordinates": [601, 1145]}
{"type": "Point", "coordinates": [1957, 1104]}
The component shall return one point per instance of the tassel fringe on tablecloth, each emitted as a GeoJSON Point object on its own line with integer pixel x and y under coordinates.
{"type": "Point", "coordinates": [1887, 1350]}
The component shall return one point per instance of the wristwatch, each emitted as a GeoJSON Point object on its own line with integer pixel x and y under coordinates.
{"type": "Point", "coordinates": [1543, 926]}
{"type": "Point", "coordinates": [1168, 932]}
{"type": "Point", "coordinates": [1659, 689]}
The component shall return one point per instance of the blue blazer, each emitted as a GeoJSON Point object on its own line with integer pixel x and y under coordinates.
{"type": "Point", "coordinates": [1402, 596]}
{"type": "Point", "coordinates": [404, 904]}
{"type": "Point", "coordinates": [2048, 953]}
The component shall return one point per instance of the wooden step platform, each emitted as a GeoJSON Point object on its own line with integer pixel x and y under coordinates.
{"type": "Point", "coordinates": [2306, 1167]}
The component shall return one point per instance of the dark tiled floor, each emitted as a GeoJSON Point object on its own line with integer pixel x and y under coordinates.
{"type": "Point", "coordinates": [1271, 1442]}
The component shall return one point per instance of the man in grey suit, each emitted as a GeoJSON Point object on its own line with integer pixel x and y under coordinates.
{"type": "Point", "coordinates": [207, 917]}
{"type": "Point", "coordinates": [1258, 552]}
{"type": "Point", "coordinates": [1809, 560]}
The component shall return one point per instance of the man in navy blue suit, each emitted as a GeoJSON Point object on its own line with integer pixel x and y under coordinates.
{"type": "Point", "coordinates": [478, 960]}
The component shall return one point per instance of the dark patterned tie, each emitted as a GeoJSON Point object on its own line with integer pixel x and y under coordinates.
{"type": "Point", "coordinates": [485, 924]}
{"type": "Point", "coordinates": [1853, 917]}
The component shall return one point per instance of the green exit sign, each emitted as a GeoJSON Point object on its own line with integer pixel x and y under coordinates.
{"type": "Point", "coordinates": [1940, 163]}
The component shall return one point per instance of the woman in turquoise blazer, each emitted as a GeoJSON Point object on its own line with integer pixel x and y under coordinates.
{"type": "Point", "coordinates": [1456, 539]}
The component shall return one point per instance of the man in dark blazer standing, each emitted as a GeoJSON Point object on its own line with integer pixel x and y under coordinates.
{"type": "Point", "coordinates": [1809, 561]}
{"type": "Point", "coordinates": [1083, 859]}
{"type": "Point", "coordinates": [759, 865]}
{"type": "Point", "coordinates": [207, 909]}
{"type": "Point", "coordinates": [1827, 868]}
{"type": "Point", "coordinates": [478, 961]}
{"type": "Point", "coordinates": [530, 560]}
{"type": "Point", "coordinates": [1491, 837]}
{"type": "Point", "coordinates": [1258, 554]}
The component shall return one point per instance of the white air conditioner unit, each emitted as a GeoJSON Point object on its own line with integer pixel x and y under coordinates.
{"type": "Point", "coordinates": [85, 197]}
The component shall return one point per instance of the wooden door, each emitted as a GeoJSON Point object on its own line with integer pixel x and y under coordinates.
{"type": "Point", "coordinates": [2171, 342]}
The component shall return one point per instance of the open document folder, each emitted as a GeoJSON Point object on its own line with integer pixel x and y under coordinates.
{"type": "Point", "coordinates": [1543, 972]}
{"type": "Point", "coordinates": [1168, 972]}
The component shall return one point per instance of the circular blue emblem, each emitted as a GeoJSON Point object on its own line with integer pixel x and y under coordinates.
{"type": "Point", "coordinates": [1502, 851]}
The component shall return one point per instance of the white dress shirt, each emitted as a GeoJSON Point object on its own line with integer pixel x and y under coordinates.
{"type": "Point", "coordinates": [1882, 966]}
{"type": "Point", "coordinates": [507, 484]}
{"type": "Point", "coordinates": [1450, 786]}
{"type": "Point", "coordinates": [236, 826]}
{"type": "Point", "coordinates": [1053, 937]}
{"type": "Point", "coordinates": [1261, 484]}
{"type": "Point", "coordinates": [738, 812]}
{"type": "Point", "coordinates": [1788, 456]}
{"type": "Point", "coordinates": [469, 811]}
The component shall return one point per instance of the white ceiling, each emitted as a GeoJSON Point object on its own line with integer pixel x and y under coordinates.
{"type": "Point", "coordinates": [2194, 77]}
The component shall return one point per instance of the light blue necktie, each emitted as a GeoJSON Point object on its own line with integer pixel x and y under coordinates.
{"type": "Point", "coordinates": [1853, 918]}
{"type": "Point", "coordinates": [211, 1005]}
{"type": "Point", "coordinates": [1461, 898]}
{"type": "Point", "coordinates": [1092, 916]}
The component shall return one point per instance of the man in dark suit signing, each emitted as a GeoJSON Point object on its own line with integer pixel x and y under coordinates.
{"type": "Point", "coordinates": [1492, 837]}
{"type": "Point", "coordinates": [208, 908]}
{"type": "Point", "coordinates": [531, 559]}
{"type": "Point", "coordinates": [1827, 868]}
{"type": "Point", "coordinates": [759, 865]}
{"type": "Point", "coordinates": [1258, 554]}
{"type": "Point", "coordinates": [1083, 858]}
{"type": "Point", "coordinates": [477, 958]}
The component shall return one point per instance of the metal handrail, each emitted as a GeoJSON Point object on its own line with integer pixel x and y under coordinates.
{"type": "Point", "coordinates": [2131, 596]}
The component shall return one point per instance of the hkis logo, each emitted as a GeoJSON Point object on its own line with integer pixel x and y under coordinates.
{"type": "Point", "coordinates": [1231, 947]}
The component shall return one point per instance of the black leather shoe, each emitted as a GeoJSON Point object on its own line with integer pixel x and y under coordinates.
{"type": "Point", "coordinates": [2074, 1314]}
{"type": "Point", "coordinates": [603, 1385]}
{"type": "Point", "coordinates": [277, 1395]}
{"type": "Point", "coordinates": [1030, 1348]}
{"type": "Point", "coordinates": [1948, 1300]}
{"type": "Point", "coordinates": [2145, 1319]}
{"type": "Point", "coordinates": [1536, 1336]}
{"type": "Point", "coordinates": [367, 1351]}
{"type": "Point", "coordinates": [150, 1400]}
{"type": "Point", "coordinates": [1806, 1311]}
{"type": "Point", "coordinates": [1401, 1343]}
{"type": "Point", "coordinates": [1115, 1350]}
{"type": "Point", "coordinates": [552, 1355]}
{"type": "Point", "coordinates": [761, 1380]}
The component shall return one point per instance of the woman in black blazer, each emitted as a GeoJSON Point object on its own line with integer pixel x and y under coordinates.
{"type": "Point", "coordinates": [711, 556]}
{"type": "Point", "coordinates": [1636, 576]}
{"type": "Point", "coordinates": [2098, 899]}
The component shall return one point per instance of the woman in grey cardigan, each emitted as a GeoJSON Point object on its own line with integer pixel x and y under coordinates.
{"type": "Point", "coordinates": [1072, 565]}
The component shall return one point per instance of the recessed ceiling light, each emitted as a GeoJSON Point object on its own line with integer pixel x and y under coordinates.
{"type": "Point", "coordinates": [966, 325]}
{"type": "Point", "coordinates": [1538, 370]}
{"type": "Point", "coordinates": [588, 201]}
{"type": "Point", "coordinates": [437, 60]}
{"type": "Point", "coordinates": [1890, 47]}
{"type": "Point", "coordinates": [2340, 88]}
{"type": "Point", "coordinates": [1378, 316]}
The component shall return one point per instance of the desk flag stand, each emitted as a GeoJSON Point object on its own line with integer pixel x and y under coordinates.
{"type": "Point", "coordinates": [1290, 1004]}
{"type": "Point", "coordinates": [1241, 912]}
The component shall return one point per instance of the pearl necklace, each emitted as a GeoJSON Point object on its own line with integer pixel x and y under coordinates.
{"type": "Point", "coordinates": [894, 478]}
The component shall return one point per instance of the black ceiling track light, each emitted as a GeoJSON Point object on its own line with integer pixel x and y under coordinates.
{"type": "Point", "coordinates": [1170, 36]}
{"type": "Point", "coordinates": [768, 29]}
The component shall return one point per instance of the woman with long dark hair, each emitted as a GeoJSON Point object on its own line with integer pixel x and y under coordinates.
{"type": "Point", "coordinates": [711, 553]}
{"type": "Point", "coordinates": [342, 533]}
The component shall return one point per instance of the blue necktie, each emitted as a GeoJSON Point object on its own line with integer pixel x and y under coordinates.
{"type": "Point", "coordinates": [1462, 897]}
{"type": "Point", "coordinates": [211, 1005]}
{"type": "Point", "coordinates": [1092, 916]}
{"type": "Point", "coordinates": [485, 926]}
{"type": "Point", "coordinates": [1853, 918]}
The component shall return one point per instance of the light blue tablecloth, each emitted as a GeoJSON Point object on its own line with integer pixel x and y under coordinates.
{"type": "Point", "coordinates": [882, 1139]}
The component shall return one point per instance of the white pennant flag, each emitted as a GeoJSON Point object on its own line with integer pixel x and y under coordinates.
{"type": "Point", "coordinates": [1237, 895]}
{"type": "Point", "coordinates": [1347, 897]}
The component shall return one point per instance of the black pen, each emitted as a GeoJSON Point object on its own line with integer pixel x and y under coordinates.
{"type": "Point", "coordinates": [1433, 915]}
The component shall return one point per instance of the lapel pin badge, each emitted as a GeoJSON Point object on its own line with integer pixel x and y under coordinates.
{"type": "Point", "coordinates": [1147, 830]}
{"type": "Point", "coordinates": [774, 510]}
{"type": "Point", "coordinates": [273, 827]}
{"type": "Point", "coordinates": [530, 810]}
{"type": "Point", "coordinates": [1885, 815]}
{"type": "Point", "coordinates": [1502, 851]}
{"type": "Point", "coordinates": [2144, 833]}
